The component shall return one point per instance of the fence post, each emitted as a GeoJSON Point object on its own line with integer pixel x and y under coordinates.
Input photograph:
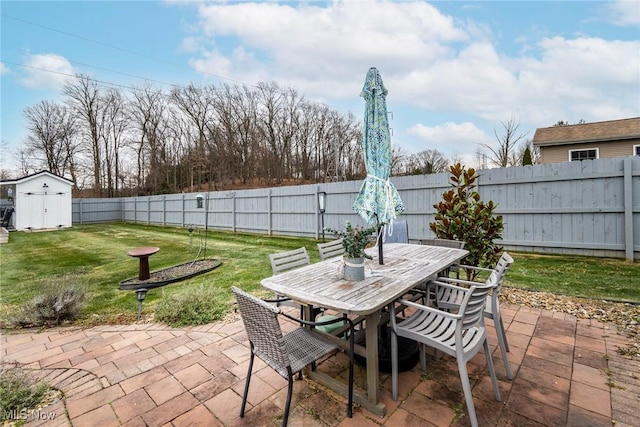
{"type": "Point", "coordinates": [269, 213]}
{"type": "Point", "coordinates": [628, 208]}
{"type": "Point", "coordinates": [233, 210]}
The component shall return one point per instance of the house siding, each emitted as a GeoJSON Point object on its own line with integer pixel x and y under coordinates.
{"type": "Point", "coordinates": [560, 153]}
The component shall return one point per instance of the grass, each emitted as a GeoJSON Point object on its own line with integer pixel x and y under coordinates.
{"type": "Point", "coordinates": [581, 276]}
{"type": "Point", "coordinates": [19, 394]}
{"type": "Point", "coordinates": [94, 257]}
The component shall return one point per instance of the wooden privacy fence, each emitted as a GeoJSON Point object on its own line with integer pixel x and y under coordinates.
{"type": "Point", "coordinates": [586, 208]}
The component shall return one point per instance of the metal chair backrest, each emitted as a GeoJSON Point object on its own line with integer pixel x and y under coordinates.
{"type": "Point", "coordinates": [6, 217]}
{"type": "Point", "coordinates": [331, 249]}
{"type": "Point", "coordinates": [500, 270]}
{"type": "Point", "coordinates": [263, 329]}
{"type": "Point", "coordinates": [445, 243]}
{"type": "Point", "coordinates": [472, 307]}
{"type": "Point", "coordinates": [284, 261]}
{"type": "Point", "coordinates": [399, 232]}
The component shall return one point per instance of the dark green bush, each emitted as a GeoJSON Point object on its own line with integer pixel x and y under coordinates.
{"type": "Point", "coordinates": [462, 215]}
{"type": "Point", "coordinates": [197, 306]}
{"type": "Point", "coordinates": [19, 393]}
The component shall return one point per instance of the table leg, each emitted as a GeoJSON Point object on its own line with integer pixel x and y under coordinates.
{"type": "Point", "coordinates": [372, 320]}
{"type": "Point", "coordinates": [143, 272]}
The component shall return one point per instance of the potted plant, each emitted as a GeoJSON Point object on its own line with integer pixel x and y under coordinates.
{"type": "Point", "coordinates": [354, 241]}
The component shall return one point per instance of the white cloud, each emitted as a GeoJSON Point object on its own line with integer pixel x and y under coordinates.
{"type": "Point", "coordinates": [432, 64]}
{"type": "Point", "coordinates": [449, 137]}
{"type": "Point", "coordinates": [329, 43]}
{"type": "Point", "coordinates": [625, 12]}
{"type": "Point", "coordinates": [4, 69]}
{"type": "Point", "coordinates": [46, 71]}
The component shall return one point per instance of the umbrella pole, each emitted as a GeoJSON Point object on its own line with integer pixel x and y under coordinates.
{"type": "Point", "coordinates": [380, 238]}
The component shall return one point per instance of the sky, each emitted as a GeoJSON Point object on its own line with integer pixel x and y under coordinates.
{"type": "Point", "coordinates": [456, 71]}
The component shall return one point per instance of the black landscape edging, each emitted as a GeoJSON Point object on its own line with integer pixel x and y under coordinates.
{"type": "Point", "coordinates": [133, 283]}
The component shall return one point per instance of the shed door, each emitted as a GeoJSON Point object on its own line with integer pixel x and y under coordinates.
{"type": "Point", "coordinates": [34, 206]}
{"type": "Point", "coordinates": [43, 210]}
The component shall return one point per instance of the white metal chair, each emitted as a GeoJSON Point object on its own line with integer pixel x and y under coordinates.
{"type": "Point", "coordinates": [446, 243]}
{"type": "Point", "coordinates": [287, 354]}
{"type": "Point", "coordinates": [449, 300]}
{"type": "Point", "coordinates": [331, 249]}
{"type": "Point", "coordinates": [460, 335]}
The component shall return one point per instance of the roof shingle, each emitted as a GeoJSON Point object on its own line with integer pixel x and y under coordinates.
{"type": "Point", "coordinates": [612, 130]}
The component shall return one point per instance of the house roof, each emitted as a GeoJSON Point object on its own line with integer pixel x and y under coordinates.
{"type": "Point", "coordinates": [613, 130]}
{"type": "Point", "coordinates": [33, 175]}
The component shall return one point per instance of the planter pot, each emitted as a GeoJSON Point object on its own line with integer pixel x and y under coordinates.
{"type": "Point", "coordinates": [353, 269]}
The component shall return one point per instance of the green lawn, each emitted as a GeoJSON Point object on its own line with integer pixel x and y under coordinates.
{"type": "Point", "coordinates": [94, 256]}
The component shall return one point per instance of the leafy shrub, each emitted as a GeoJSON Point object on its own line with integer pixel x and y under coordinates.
{"type": "Point", "coordinates": [19, 393]}
{"type": "Point", "coordinates": [355, 239]}
{"type": "Point", "coordinates": [461, 215]}
{"type": "Point", "coordinates": [58, 303]}
{"type": "Point", "coordinates": [195, 306]}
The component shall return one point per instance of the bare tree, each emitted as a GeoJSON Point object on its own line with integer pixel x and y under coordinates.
{"type": "Point", "coordinates": [505, 153]}
{"type": "Point", "coordinates": [51, 136]}
{"type": "Point", "coordinates": [84, 97]}
{"type": "Point", "coordinates": [198, 105]}
{"type": "Point", "coordinates": [428, 162]}
{"type": "Point", "coordinates": [115, 120]}
{"type": "Point", "coordinates": [149, 112]}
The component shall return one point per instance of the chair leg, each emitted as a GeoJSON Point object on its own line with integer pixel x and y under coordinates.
{"type": "Point", "coordinates": [350, 398]}
{"type": "Point", "coordinates": [287, 406]}
{"type": "Point", "coordinates": [423, 356]}
{"type": "Point", "coordinates": [394, 365]}
{"type": "Point", "coordinates": [492, 371]}
{"type": "Point", "coordinates": [466, 387]}
{"type": "Point", "coordinates": [246, 384]}
{"type": "Point", "coordinates": [504, 334]}
{"type": "Point", "coordinates": [502, 342]}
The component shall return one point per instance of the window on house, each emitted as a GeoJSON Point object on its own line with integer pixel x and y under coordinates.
{"type": "Point", "coordinates": [636, 150]}
{"type": "Point", "coordinates": [579, 155]}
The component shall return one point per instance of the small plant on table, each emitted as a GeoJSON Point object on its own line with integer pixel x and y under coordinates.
{"type": "Point", "coordinates": [355, 239]}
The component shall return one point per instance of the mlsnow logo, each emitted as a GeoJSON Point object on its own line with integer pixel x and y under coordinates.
{"type": "Point", "coordinates": [24, 414]}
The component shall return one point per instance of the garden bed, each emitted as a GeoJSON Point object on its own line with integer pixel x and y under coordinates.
{"type": "Point", "coordinates": [172, 274]}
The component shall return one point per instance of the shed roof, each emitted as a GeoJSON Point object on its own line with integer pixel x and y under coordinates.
{"type": "Point", "coordinates": [33, 175]}
{"type": "Point", "coordinates": [613, 130]}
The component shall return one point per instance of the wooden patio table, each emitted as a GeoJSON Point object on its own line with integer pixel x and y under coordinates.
{"type": "Point", "coordinates": [321, 285]}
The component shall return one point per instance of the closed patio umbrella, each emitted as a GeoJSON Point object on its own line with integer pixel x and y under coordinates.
{"type": "Point", "coordinates": [378, 200]}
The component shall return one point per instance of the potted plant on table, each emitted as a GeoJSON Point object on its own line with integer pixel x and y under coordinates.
{"type": "Point", "coordinates": [354, 241]}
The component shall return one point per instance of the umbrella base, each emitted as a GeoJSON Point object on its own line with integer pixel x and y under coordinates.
{"type": "Point", "coordinates": [408, 351]}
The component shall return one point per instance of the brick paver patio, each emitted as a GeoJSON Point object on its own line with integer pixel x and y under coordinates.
{"type": "Point", "coordinates": [566, 373]}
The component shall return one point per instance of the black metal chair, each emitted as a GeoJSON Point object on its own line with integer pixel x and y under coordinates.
{"type": "Point", "coordinates": [6, 217]}
{"type": "Point", "coordinates": [287, 354]}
